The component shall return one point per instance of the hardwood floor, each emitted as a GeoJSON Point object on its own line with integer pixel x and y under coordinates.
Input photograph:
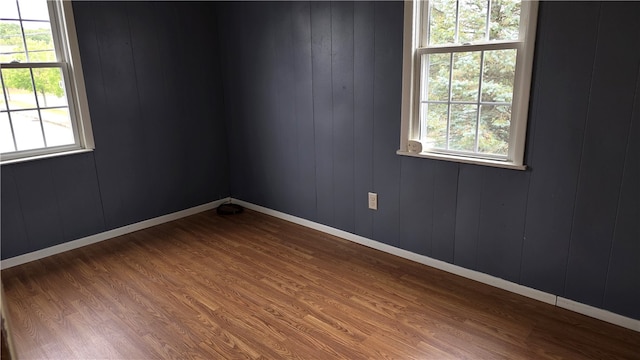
{"type": "Point", "coordinates": [250, 286]}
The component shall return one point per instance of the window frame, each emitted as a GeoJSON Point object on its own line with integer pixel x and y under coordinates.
{"type": "Point", "coordinates": [410, 144]}
{"type": "Point", "coordinates": [68, 60]}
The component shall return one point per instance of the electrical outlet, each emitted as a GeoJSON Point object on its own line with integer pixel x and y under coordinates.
{"type": "Point", "coordinates": [373, 201]}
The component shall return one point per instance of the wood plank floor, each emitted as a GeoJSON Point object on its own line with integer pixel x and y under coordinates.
{"type": "Point", "coordinates": [251, 286]}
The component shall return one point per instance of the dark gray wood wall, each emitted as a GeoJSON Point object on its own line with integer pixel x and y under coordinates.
{"type": "Point", "coordinates": [312, 97]}
{"type": "Point", "coordinates": [312, 107]}
{"type": "Point", "coordinates": [153, 82]}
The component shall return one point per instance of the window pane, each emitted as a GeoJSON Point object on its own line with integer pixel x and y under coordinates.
{"type": "Point", "coordinates": [57, 126]}
{"type": "Point", "coordinates": [26, 126]}
{"type": "Point", "coordinates": [498, 75]}
{"type": "Point", "coordinates": [50, 87]}
{"type": "Point", "coordinates": [437, 68]}
{"type": "Point", "coordinates": [436, 125]}
{"type": "Point", "coordinates": [505, 20]}
{"type": "Point", "coordinates": [3, 103]}
{"type": "Point", "coordinates": [442, 22]}
{"type": "Point", "coordinates": [39, 41]}
{"type": "Point", "coordinates": [6, 140]}
{"type": "Point", "coordinates": [19, 88]}
{"type": "Point", "coordinates": [33, 9]}
{"type": "Point", "coordinates": [11, 44]}
{"type": "Point", "coordinates": [466, 76]}
{"type": "Point", "coordinates": [472, 25]}
{"type": "Point", "coordinates": [462, 130]}
{"type": "Point", "coordinates": [34, 95]}
{"type": "Point", "coordinates": [493, 137]}
{"type": "Point", "coordinates": [8, 10]}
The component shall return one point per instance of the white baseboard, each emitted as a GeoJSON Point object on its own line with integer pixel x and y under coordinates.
{"type": "Point", "coordinates": [92, 239]}
{"type": "Point", "coordinates": [548, 298]}
{"type": "Point", "coordinates": [591, 311]}
{"type": "Point", "coordinates": [598, 313]}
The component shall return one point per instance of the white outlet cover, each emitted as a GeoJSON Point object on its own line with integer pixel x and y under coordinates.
{"type": "Point", "coordinates": [373, 201]}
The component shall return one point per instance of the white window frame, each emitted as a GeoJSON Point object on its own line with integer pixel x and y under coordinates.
{"type": "Point", "coordinates": [409, 140]}
{"type": "Point", "coordinates": [66, 46]}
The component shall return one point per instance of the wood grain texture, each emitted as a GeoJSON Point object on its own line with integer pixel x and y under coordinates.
{"type": "Point", "coordinates": [303, 96]}
{"type": "Point", "coordinates": [602, 160]}
{"type": "Point", "coordinates": [252, 286]}
{"type": "Point", "coordinates": [387, 71]}
{"type": "Point", "coordinates": [559, 220]}
{"type": "Point", "coordinates": [622, 267]}
{"type": "Point", "coordinates": [416, 220]}
{"type": "Point", "coordinates": [12, 221]}
{"type": "Point", "coordinates": [154, 126]}
{"type": "Point", "coordinates": [342, 83]}
{"type": "Point", "coordinates": [561, 98]}
{"type": "Point", "coordinates": [321, 42]}
{"type": "Point", "coordinates": [363, 100]}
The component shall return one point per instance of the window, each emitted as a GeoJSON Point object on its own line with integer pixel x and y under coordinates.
{"type": "Point", "coordinates": [466, 80]}
{"type": "Point", "coordinates": [43, 109]}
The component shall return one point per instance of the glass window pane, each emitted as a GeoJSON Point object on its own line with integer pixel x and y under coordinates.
{"type": "Point", "coordinates": [49, 87]}
{"type": "Point", "coordinates": [472, 23]}
{"type": "Point", "coordinates": [8, 9]}
{"type": "Point", "coordinates": [504, 23]}
{"type": "Point", "coordinates": [57, 126]}
{"type": "Point", "coordinates": [436, 67]}
{"type": "Point", "coordinates": [39, 41]}
{"type": "Point", "coordinates": [436, 125]}
{"type": "Point", "coordinates": [442, 22]}
{"type": "Point", "coordinates": [493, 133]}
{"type": "Point", "coordinates": [462, 128]}
{"type": "Point", "coordinates": [26, 126]}
{"type": "Point", "coordinates": [498, 75]}
{"type": "Point", "coordinates": [19, 88]}
{"type": "Point", "coordinates": [11, 44]}
{"type": "Point", "coordinates": [3, 103]}
{"type": "Point", "coordinates": [6, 139]}
{"type": "Point", "coordinates": [33, 9]}
{"type": "Point", "coordinates": [466, 76]}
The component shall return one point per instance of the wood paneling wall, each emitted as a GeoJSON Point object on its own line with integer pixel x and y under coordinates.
{"type": "Point", "coordinates": [312, 95]}
{"type": "Point", "coordinates": [153, 82]}
{"type": "Point", "coordinates": [312, 118]}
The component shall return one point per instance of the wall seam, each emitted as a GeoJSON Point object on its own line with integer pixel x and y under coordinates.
{"type": "Point", "coordinates": [530, 148]}
{"type": "Point", "coordinates": [455, 213]}
{"type": "Point", "coordinates": [223, 93]}
{"type": "Point", "coordinates": [57, 198]}
{"type": "Point", "coordinates": [106, 101]}
{"type": "Point", "coordinates": [333, 118]}
{"type": "Point", "coordinates": [313, 114]}
{"type": "Point", "coordinates": [24, 223]}
{"type": "Point", "coordinates": [373, 121]}
{"type": "Point", "coordinates": [93, 153]}
{"type": "Point", "coordinates": [353, 115]}
{"type": "Point", "coordinates": [586, 124]}
{"type": "Point", "coordinates": [433, 203]}
{"type": "Point", "coordinates": [634, 110]}
{"type": "Point", "coordinates": [483, 171]}
{"type": "Point", "coordinates": [140, 114]}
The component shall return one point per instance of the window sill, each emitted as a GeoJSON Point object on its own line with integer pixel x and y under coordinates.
{"type": "Point", "coordinates": [464, 160]}
{"type": "Point", "coordinates": [44, 156]}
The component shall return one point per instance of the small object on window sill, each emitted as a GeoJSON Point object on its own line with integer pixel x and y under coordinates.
{"type": "Point", "coordinates": [414, 146]}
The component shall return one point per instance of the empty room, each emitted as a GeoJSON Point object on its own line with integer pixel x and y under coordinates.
{"type": "Point", "coordinates": [320, 180]}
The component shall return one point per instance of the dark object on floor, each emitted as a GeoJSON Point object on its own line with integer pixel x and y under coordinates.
{"type": "Point", "coordinates": [229, 209]}
{"type": "Point", "coordinates": [6, 354]}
